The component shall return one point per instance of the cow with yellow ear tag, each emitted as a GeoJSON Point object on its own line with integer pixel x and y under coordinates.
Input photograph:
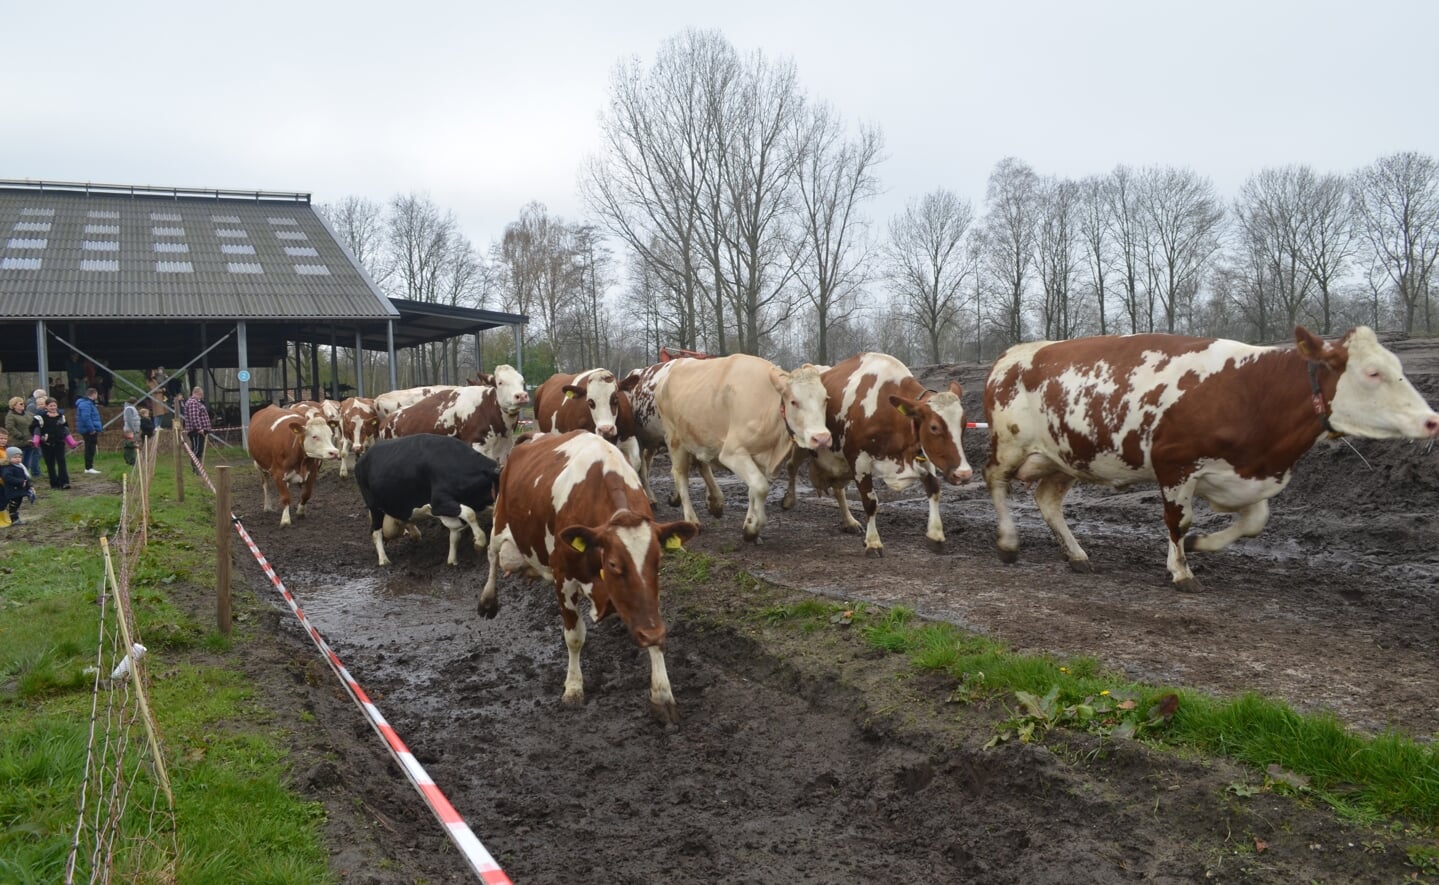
{"type": "Point", "coordinates": [572, 510]}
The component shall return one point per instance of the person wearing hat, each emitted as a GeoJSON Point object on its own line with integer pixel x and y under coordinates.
{"type": "Point", "coordinates": [17, 484]}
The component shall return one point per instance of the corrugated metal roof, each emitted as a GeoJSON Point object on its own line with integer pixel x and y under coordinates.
{"type": "Point", "coordinates": [113, 252]}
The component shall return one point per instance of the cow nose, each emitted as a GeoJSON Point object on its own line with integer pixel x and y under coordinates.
{"type": "Point", "coordinates": [1431, 427]}
{"type": "Point", "coordinates": [522, 397]}
{"type": "Point", "coordinates": [819, 440]}
{"type": "Point", "coordinates": [960, 474]}
{"type": "Point", "coordinates": [607, 431]}
{"type": "Point", "coordinates": [649, 635]}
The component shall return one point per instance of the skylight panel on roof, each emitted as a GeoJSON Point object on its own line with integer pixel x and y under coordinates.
{"type": "Point", "coordinates": [312, 270]}
{"type": "Point", "coordinates": [22, 243]}
{"type": "Point", "coordinates": [225, 219]}
{"type": "Point", "coordinates": [41, 227]}
{"type": "Point", "coordinates": [174, 267]}
{"type": "Point", "coordinates": [167, 231]}
{"type": "Point", "coordinates": [237, 248]}
{"type": "Point", "coordinates": [100, 246]}
{"type": "Point", "coordinates": [102, 213]}
{"type": "Point", "coordinates": [102, 228]}
{"type": "Point", "coordinates": [244, 267]}
{"type": "Point", "coordinates": [19, 263]}
{"type": "Point", "coordinates": [288, 222]}
{"type": "Point", "coordinates": [172, 247]}
{"type": "Point", "coordinates": [44, 213]}
{"type": "Point", "coordinates": [291, 235]}
{"type": "Point", "coordinates": [301, 252]}
{"type": "Point", "coordinates": [231, 233]}
{"type": "Point", "coordinates": [164, 216]}
{"type": "Point", "coordinates": [99, 264]}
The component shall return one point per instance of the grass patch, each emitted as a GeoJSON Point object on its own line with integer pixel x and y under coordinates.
{"type": "Point", "coordinates": [1360, 776]}
{"type": "Point", "coordinates": [235, 819]}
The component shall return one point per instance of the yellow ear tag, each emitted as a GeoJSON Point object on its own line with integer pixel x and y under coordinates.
{"type": "Point", "coordinates": [569, 394]}
{"type": "Point", "coordinates": [578, 544]}
{"type": "Point", "coordinates": [673, 542]}
{"type": "Point", "coordinates": [602, 574]}
{"type": "Point", "coordinates": [903, 409]}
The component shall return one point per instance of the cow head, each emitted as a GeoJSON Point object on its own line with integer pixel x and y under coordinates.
{"type": "Point", "coordinates": [601, 395]}
{"type": "Point", "coordinates": [622, 560]}
{"type": "Point", "coordinates": [510, 388]}
{"type": "Point", "coordinates": [938, 420]}
{"type": "Point", "coordinates": [1372, 398]}
{"type": "Point", "coordinates": [317, 438]}
{"type": "Point", "coordinates": [802, 405]}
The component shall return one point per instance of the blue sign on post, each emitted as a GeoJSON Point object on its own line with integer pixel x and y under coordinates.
{"type": "Point", "coordinates": [244, 375]}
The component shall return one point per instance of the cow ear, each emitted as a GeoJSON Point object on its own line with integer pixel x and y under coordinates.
{"type": "Point", "coordinates": [579, 537]}
{"type": "Point", "coordinates": [571, 391]}
{"type": "Point", "coordinates": [1316, 349]}
{"type": "Point", "coordinates": [779, 378]}
{"type": "Point", "coordinates": [297, 428]}
{"type": "Point", "coordinates": [907, 407]}
{"type": "Point", "coordinates": [673, 535]}
{"type": "Point", "coordinates": [630, 382]}
{"type": "Point", "coordinates": [955, 389]}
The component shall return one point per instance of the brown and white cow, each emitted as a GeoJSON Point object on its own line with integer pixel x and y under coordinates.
{"type": "Point", "coordinates": [1208, 418]}
{"type": "Point", "coordinates": [288, 447]}
{"type": "Point", "coordinates": [593, 400]}
{"type": "Point", "coordinates": [744, 412]}
{"type": "Point", "coordinates": [887, 426]}
{"type": "Point", "coordinates": [571, 510]}
{"type": "Point", "coordinates": [472, 414]}
{"type": "Point", "coordinates": [392, 401]}
{"type": "Point", "coordinates": [359, 426]}
{"type": "Point", "coordinates": [327, 409]}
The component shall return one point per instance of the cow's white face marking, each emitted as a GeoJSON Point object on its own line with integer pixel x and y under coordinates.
{"type": "Point", "coordinates": [804, 405]}
{"type": "Point", "coordinates": [637, 540]}
{"type": "Point", "coordinates": [1373, 398]}
{"type": "Point", "coordinates": [320, 440]}
{"type": "Point", "coordinates": [510, 388]}
{"type": "Point", "coordinates": [600, 389]}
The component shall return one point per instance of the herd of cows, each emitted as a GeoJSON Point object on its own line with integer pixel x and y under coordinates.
{"type": "Point", "coordinates": [1212, 419]}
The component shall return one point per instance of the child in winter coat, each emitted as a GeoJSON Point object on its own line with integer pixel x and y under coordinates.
{"type": "Point", "coordinates": [17, 483]}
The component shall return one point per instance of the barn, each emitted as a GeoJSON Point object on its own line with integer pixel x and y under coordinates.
{"type": "Point", "coordinates": [198, 279]}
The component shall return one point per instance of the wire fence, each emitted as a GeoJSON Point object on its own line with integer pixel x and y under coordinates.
{"type": "Point", "coordinates": [125, 821]}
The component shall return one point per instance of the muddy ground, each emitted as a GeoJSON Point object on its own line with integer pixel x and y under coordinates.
{"type": "Point", "coordinates": [807, 759]}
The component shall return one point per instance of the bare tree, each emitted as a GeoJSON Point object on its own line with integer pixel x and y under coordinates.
{"type": "Point", "coordinates": [592, 265]}
{"type": "Point", "coordinates": [539, 252]}
{"type": "Point", "coordinates": [927, 266]}
{"type": "Point", "coordinates": [1269, 220]}
{"type": "Point", "coordinates": [1397, 204]}
{"type": "Point", "coordinates": [1326, 236]}
{"type": "Point", "coordinates": [1184, 216]}
{"type": "Point", "coordinates": [835, 176]}
{"type": "Point", "coordinates": [360, 226]}
{"type": "Point", "coordinates": [1130, 234]}
{"type": "Point", "coordinates": [1094, 240]}
{"type": "Point", "coordinates": [1010, 221]}
{"type": "Point", "coordinates": [1056, 243]}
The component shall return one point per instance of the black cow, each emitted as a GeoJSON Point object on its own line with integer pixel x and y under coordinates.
{"type": "Point", "coordinates": [426, 475]}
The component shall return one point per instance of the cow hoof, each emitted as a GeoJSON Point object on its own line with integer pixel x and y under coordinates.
{"type": "Point", "coordinates": [489, 609]}
{"type": "Point", "coordinates": [752, 538]}
{"type": "Point", "coordinates": [1189, 585]}
{"type": "Point", "coordinates": [674, 500]}
{"type": "Point", "coordinates": [666, 714]}
{"type": "Point", "coordinates": [1009, 557]}
{"type": "Point", "coordinates": [935, 546]}
{"type": "Point", "coordinates": [874, 552]}
{"type": "Point", "coordinates": [787, 503]}
{"type": "Point", "coordinates": [573, 699]}
{"type": "Point", "coordinates": [849, 529]}
{"type": "Point", "coordinates": [715, 510]}
{"type": "Point", "coordinates": [1189, 542]}
{"type": "Point", "coordinates": [1081, 566]}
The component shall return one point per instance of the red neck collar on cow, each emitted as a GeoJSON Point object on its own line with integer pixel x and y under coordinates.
{"type": "Point", "coordinates": [1321, 408]}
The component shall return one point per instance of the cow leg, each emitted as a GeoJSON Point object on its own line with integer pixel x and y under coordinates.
{"type": "Point", "coordinates": [311, 473]}
{"type": "Point", "coordinates": [680, 474]}
{"type": "Point", "coordinates": [631, 449]}
{"type": "Point", "coordinates": [848, 524]}
{"type": "Point", "coordinates": [1007, 536]}
{"type": "Point", "coordinates": [796, 460]}
{"type": "Point", "coordinates": [1248, 523]}
{"type": "Point", "coordinates": [570, 594]}
{"type": "Point", "coordinates": [265, 480]}
{"type": "Point", "coordinates": [346, 460]}
{"type": "Point", "coordinates": [377, 532]}
{"type": "Point", "coordinates": [934, 531]}
{"type": "Point", "coordinates": [457, 528]}
{"type": "Point", "coordinates": [282, 486]}
{"type": "Point", "coordinates": [647, 457]}
{"type": "Point", "coordinates": [714, 498]}
{"type": "Point", "coordinates": [1178, 514]}
{"type": "Point", "coordinates": [872, 544]}
{"type": "Point", "coordinates": [662, 697]}
{"type": "Point", "coordinates": [757, 481]}
{"type": "Point", "coordinates": [1049, 495]}
{"type": "Point", "coordinates": [489, 600]}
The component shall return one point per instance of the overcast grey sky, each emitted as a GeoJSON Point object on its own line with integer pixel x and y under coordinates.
{"type": "Point", "coordinates": [486, 106]}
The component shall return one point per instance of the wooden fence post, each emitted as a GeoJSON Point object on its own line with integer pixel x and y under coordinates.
{"type": "Point", "coordinates": [179, 465]}
{"type": "Point", "coordinates": [222, 548]}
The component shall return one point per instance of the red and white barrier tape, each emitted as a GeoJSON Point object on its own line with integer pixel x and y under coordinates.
{"type": "Point", "coordinates": [471, 848]}
{"type": "Point", "coordinates": [976, 425]}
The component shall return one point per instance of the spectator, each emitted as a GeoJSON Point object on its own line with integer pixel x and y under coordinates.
{"type": "Point", "coordinates": [197, 422]}
{"type": "Point", "coordinates": [17, 425]}
{"type": "Point", "coordinates": [34, 406]}
{"type": "Point", "coordinates": [18, 486]}
{"type": "Point", "coordinates": [130, 424]}
{"type": "Point", "coordinates": [74, 378]}
{"type": "Point", "coordinates": [88, 423]}
{"type": "Point", "coordinates": [147, 427]}
{"type": "Point", "coordinates": [52, 435]}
